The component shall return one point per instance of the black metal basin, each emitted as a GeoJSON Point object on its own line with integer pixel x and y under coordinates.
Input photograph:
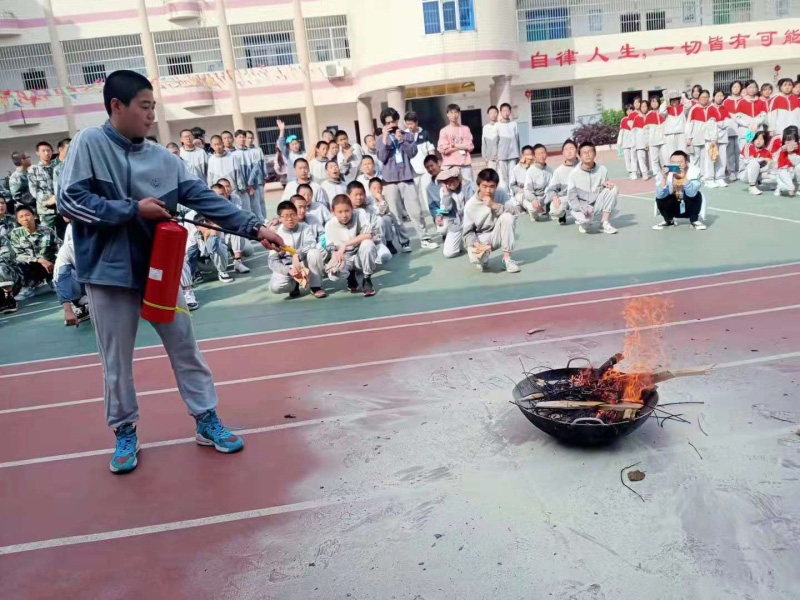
{"type": "Point", "coordinates": [580, 434]}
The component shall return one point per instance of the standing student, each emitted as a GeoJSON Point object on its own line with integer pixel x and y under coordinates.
{"type": "Point", "coordinates": [720, 165]}
{"type": "Point", "coordinates": [333, 184]}
{"type": "Point", "coordinates": [424, 148]}
{"type": "Point", "coordinates": [40, 182]}
{"type": "Point", "coordinates": [781, 108]}
{"type": "Point", "coordinates": [694, 98]}
{"type": "Point", "coordinates": [489, 225]}
{"type": "Point", "coordinates": [174, 149]}
{"type": "Point", "coordinates": [318, 163]}
{"type": "Point", "coordinates": [395, 150]}
{"type": "Point", "coordinates": [58, 161]}
{"type": "Point", "coordinates": [654, 130]}
{"type": "Point", "coordinates": [18, 182]}
{"type": "Point", "coordinates": [348, 236]}
{"type": "Point", "coordinates": [196, 159]}
{"type": "Point", "coordinates": [222, 166]}
{"type": "Point", "coordinates": [674, 123]}
{"type": "Point", "coordinates": [455, 143]}
{"type": "Point", "coordinates": [678, 194]}
{"type": "Point", "coordinates": [556, 194]}
{"type": "Point", "coordinates": [627, 141]}
{"type": "Point", "coordinates": [454, 193]}
{"type": "Point", "coordinates": [537, 179]}
{"type": "Point", "coordinates": [641, 140]}
{"type": "Point", "coordinates": [290, 148]}
{"type": "Point", "coordinates": [287, 267]}
{"type": "Point", "coordinates": [349, 156]}
{"type": "Point", "coordinates": [252, 167]}
{"type": "Point", "coordinates": [731, 103]}
{"type": "Point", "coordinates": [756, 163]}
{"type": "Point", "coordinates": [517, 176]}
{"type": "Point", "coordinates": [766, 92]}
{"type": "Point", "coordinates": [371, 147]}
{"type": "Point", "coordinates": [490, 138]}
{"type": "Point", "coordinates": [113, 237]}
{"type": "Point", "coordinates": [590, 192]}
{"type": "Point", "coordinates": [228, 142]}
{"type": "Point", "coordinates": [260, 170]}
{"type": "Point", "coordinates": [395, 233]}
{"type": "Point", "coordinates": [367, 171]}
{"type": "Point", "coordinates": [751, 113]}
{"type": "Point", "coordinates": [302, 176]}
{"type": "Point", "coordinates": [507, 144]}
{"type": "Point", "coordinates": [701, 135]}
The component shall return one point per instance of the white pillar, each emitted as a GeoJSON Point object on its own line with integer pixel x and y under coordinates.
{"type": "Point", "coordinates": [396, 98]}
{"type": "Point", "coordinates": [60, 64]}
{"type": "Point", "coordinates": [151, 63]}
{"type": "Point", "coordinates": [229, 63]}
{"type": "Point", "coordinates": [311, 129]}
{"type": "Point", "coordinates": [364, 111]}
{"type": "Point", "coordinates": [502, 86]}
{"type": "Point", "coordinates": [492, 95]}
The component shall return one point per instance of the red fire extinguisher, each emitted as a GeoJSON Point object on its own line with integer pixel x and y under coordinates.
{"type": "Point", "coordinates": [166, 263]}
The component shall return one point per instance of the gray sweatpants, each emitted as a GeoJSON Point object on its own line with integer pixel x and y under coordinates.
{"type": "Point", "coordinates": [504, 168]}
{"type": "Point", "coordinates": [115, 314]}
{"type": "Point", "coordinates": [788, 178]}
{"type": "Point", "coordinates": [502, 236]}
{"type": "Point", "coordinates": [314, 261]}
{"type": "Point", "coordinates": [403, 195]}
{"type": "Point", "coordinates": [362, 261]}
{"type": "Point", "coordinates": [257, 203]}
{"type": "Point", "coordinates": [213, 248]}
{"type": "Point", "coordinates": [752, 173]}
{"type": "Point", "coordinates": [453, 238]}
{"type": "Point", "coordinates": [605, 202]}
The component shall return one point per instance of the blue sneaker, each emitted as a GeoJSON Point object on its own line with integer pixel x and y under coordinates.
{"type": "Point", "coordinates": [211, 432]}
{"type": "Point", "coordinates": [124, 458]}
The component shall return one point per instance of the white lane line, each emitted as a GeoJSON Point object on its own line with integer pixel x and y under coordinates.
{"type": "Point", "coordinates": [273, 510]}
{"type": "Point", "coordinates": [191, 440]}
{"type": "Point", "coordinates": [440, 310]}
{"type": "Point", "coordinates": [722, 210]}
{"type": "Point", "coordinates": [423, 323]}
{"type": "Point", "coordinates": [405, 359]}
{"type": "Point", "coordinates": [25, 313]}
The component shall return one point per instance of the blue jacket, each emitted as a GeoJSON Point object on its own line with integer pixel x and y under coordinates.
{"type": "Point", "coordinates": [104, 177]}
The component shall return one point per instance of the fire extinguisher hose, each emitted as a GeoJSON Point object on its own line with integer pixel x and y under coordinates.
{"type": "Point", "coordinates": [182, 219]}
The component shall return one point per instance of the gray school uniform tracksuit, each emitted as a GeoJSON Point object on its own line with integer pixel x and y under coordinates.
{"type": "Point", "coordinates": [317, 193]}
{"type": "Point", "coordinates": [391, 229]}
{"type": "Point", "coordinates": [507, 149]}
{"type": "Point", "coordinates": [489, 144]}
{"type": "Point", "coordinates": [452, 204]}
{"type": "Point", "coordinates": [213, 249]}
{"type": "Point", "coordinates": [290, 158]}
{"type": "Point", "coordinates": [536, 181]}
{"type": "Point", "coordinates": [488, 226]}
{"type": "Point", "coordinates": [302, 238]}
{"type": "Point", "coordinates": [250, 164]}
{"type": "Point", "coordinates": [587, 196]}
{"type": "Point", "coordinates": [316, 169]}
{"type": "Point", "coordinates": [516, 185]}
{"type": "Point", "coordinates": [349, 166]}
{"type": "Point", "coordinates": [332, 188]}
{"type": "Point", "coordinates": [196, 161]}
{"type": "Point", "coordinates": [359, 259]}
{"type": "Point", "coordinates": [558, 186]}
{"type": "Point", "coordinates": [104, 176]}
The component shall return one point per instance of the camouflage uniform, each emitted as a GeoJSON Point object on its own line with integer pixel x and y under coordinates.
{"type": "Point", "coordinates": [20, 191]}
{"type": "Point", "coordinates": [40, 184]}
{"type": "Point", "coordinates": [7, 223]}
{"type": "Point", "coordinates": [9, 272]}
{"type": "Point", "coordinates": [29, 248]}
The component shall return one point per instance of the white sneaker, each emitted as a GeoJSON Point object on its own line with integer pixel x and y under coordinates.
{"type": "Point", "coordinates": [633, 177]}
{"type": "Point", "coordinates": [240, 267]}
{"type": "Point", "coordinates": [191, 301]}
{"type": "Point", "coordinates": [732, 177]}
{"type": "Point", "coordinates": [427, 245]}
{"type": "Point", "coordinates": [663, 225]}
{"type": "Point", "coordinates": [534, 216]}
{"type": "Point", "coordinates": [699, 225]}
{"type": "Point", "coordinates": [225, 278]}
{"type": "Point", "coordinates": [721, 183]}
{"type": "Point", "coordinates": [25, 293]}
{"type": "Point", "coordinates": [776, 192]}
{"type": "Point", "coordinates": [481, 266]}
{"type": "Point", "coordinates": [753, 190]}
{"type": "Point", "coordinates": [511, 266]}
{"type": "Point", "coordinates": [710, 184]}
{"type": "Point", "coordinates": [608, 228]}
{"type": "Point", "coordinates": [582, 228]}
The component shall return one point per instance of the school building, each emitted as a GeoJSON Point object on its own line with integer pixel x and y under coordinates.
{"type": "Point", "coordinates": [225, 64]}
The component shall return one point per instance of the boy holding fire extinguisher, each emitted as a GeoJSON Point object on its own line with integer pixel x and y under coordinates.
{"type": "Point", "coordinates": [116, 187]}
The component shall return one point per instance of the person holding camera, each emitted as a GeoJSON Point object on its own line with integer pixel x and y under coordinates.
{"type": "Point", "coordinates": [678, 192]}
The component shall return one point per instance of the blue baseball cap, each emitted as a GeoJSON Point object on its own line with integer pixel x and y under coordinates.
{"type": "Point", "coordinates": [290, 139]}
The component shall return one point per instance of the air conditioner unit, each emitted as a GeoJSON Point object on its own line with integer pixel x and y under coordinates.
{"type": "Point", "coordinates": [334, 71]}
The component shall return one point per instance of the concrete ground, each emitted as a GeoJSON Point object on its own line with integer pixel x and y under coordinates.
{"type": "Point", "coordinates": [383, 458]}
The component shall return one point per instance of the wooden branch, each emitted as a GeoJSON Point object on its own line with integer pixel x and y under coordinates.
{"type": "Point", "coordinates": [578, 405]}
{"type": "Point", "coordinates": [692, 372]}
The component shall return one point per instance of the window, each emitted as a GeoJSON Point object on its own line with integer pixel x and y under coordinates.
{"type": "Point", "coordinates": [547, 24]}
{"type": "Point", "coordinates": [731, 11]}
{"type": "Point", "coordinates": [551, 107]}
{"type": "Point", "coordinates": [630, 22]}
{"type": "Point", "coordinates": [34, 79]}
{"type": "Point", "coordinates": [448, 15]}
{"type": "Point", "coordinates": [266, 44]}
{"type": "Point", "coordinates": [724, 79]}
{"type": "Point", "coordinates": [93, 73]}
{"type": "Point", "coordinates": [595, 18]}
{"type": "Point", "coordinates": [327, 38]}
{"type": "Point", "coordinates": [782, 8]}
{"type": "Point", "coordinates": [689, 11]}
{"type": "Point", "coordinates": [180, 64]}
{"type": "Point", "coordinates": [656, 20]}
{"type": "Point", "coordinates": [267, 131]}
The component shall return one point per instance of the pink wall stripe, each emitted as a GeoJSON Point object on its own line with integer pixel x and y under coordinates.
{"type": "Point", "coordinates": [435, 59]}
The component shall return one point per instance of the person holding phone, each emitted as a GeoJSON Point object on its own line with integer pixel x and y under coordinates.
{"type": "Point", "coordinates": [678, 192]}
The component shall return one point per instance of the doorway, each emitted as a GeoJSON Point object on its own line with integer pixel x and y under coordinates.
{"type": "Point", "coordinates": [473, 119]}
{"type": "Point", "coordinates": [629, 97]}
{"type": "Point", "coordinates": [431, 115]}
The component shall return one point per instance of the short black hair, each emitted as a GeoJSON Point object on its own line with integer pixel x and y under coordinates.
{"type": "Point", "coordinates": [21, 207]}
{"type": "Point", "coordinates": [321, 143]}
{"type": "Point", "coordinates": [369, 135]}
{"type": "Point", "coordinates": [221, 179]}
{"type": "Point", "coordinates": [332, 161]}
{"type": "Point", "coordinates": [374, 179]}
{"type": "Point", "coordinates": [224, 132]}
{"type": "Point", "coordinates": [537, 146]}
{"type": "Point", "coordinates": [697, 86]}
{"type": "Point", "coordinates": [528, 147]}
{"type": "Point", "coordinates": [389, 112]}
{"type": "Point", "coordinates": [215, 137]}
{"type": "Point", "coordinates": [355, 185]}
{"type": "Point", "coordinates": [184, 131]}
{"type": "Point", "coordinates": [704, 91]}
{"type": "Point", "coordinates": [305, 186]}
{"type": "Point", "coordinates": [628, 107]}
{"type": "Point", "coordinates": [767, 85]}
{"type": "Point", "coordinates": [151, 138]}
{"type": "Point", "coordinates": [43, 143]}
{"type": "Point", "coordinates": [248, 132]}
{"type": "Point", "coordinates": [750, 82]}
{"type": "Point", "coordinates": [491, 108]}
{"type": "Point", "coordinates": [171, 145]}
{"type": "Point", "coordinates": [219, 187]}
{"type": "Point", "coordinates": [680, 153]}
{"type": "Point", "coordinates": [239, 132]}
{"type": "Point", "coordinates": [64, 142]}
{"type": "Point", "coordinates": [16, 157]}
{"type": "Point", "coordinates": [454, 107]}
{"type": "Point", "coordinates": [286, 205]}
{"type": "Point", "coordinates": [488, 176]}
{"type": "Point", "coordinates": [430, 158]}
{"type": "Point", "coordinates": [504, 104]}
{"type": "Point", "coordinates": [124, 85]}
{"type": "Point", "coordinates": [411, 116]}
{"type": "Point", "coordinates": [783, 80]}
{"type": "Point", "coordinates": [296, 197]}
{"type": "Point", "coordinates": [341, 199]}
{"type": "Point", "coordinates": [340, 133]}
{"type": "Point", "coordinates": [587, 145]}
{"type": "Point", "coordinates": [367, 157]}
{"type": "Point", "coordinates": [198, 132]}
{"type": "Point", "coordinates": [568, 142]}
{"type": "Point", "coordinates": [299, 160]}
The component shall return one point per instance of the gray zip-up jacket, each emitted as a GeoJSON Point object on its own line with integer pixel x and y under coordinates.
{"type": "Point", "coordinates": [585, 186]}
{"type": "Point", "coordinates": [302, 238]}
{"type": "Point", "coordinates": [536, 181]}
{"type": "Point", "coordinates": [196, 161]}
{"type": "Point", "coordinates": [507, 140]}
{"type": "Point", "coordinates": [105, 175]}
{"type": "Point", "coordinates": [479, 218]}
{"type": "Point", "coordinates": [559, 182]}
{"type": "Point", "coordinates": [454, 202]}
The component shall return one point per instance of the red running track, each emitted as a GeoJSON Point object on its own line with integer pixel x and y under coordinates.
{"type": "Point", "coordinates": [53, 495]}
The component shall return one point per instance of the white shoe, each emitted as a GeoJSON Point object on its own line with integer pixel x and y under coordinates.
{"type": "Point", "coordinates": [582, 228]}
{"type": "Point", "coordinates": [428, 245]}
{"type": "Point", "coordinates": [481, 266]}
{"type": "Point", "coordinates": [710, 184]}
{"type": "Point", "coordinates": [405, 248]}
{"type": "Point", "coordinates": [511, 266]}
{"type": "Point", "coordinates": [753, 190]}
{"type": "Point", "coordinates": [225, 278]}
{"type": "Point", "coordinates": [776, 192]}
{"type": "Point", "coordinates": [191, 301]}
{"type": "Point", "coordinates": [663, 225]}
{"type": "Point", "coordinates": [240, 267]}
{"type": "Point", "coordinates": [732, 177]}
{"type": "Point", "coordinates": [608, 228]}
{"type": "Point", "coordinates": [699, 225]}
{"type": "Point", "coordinates": [633, 177]}
{"type": "Point", "coordinates": [25, 293]}
{"type": "Point", "coordinates": [721, 183]}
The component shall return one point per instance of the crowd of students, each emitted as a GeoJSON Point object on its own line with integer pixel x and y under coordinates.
{"type": "Point", "coordinates": [344, 208]}
{"type": "Point", "coordinates": [749, 133]}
